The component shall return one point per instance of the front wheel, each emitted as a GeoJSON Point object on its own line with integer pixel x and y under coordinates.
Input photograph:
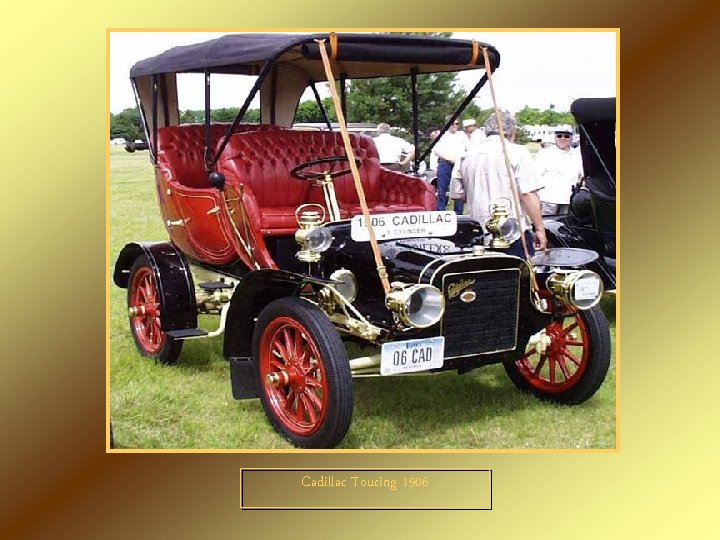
{"type": "Point", "coordinates": [303, 374]}
{"type": "Point", "coordinates": [144, 312]}
{"type": "Point", "coordinates": [574, 363]}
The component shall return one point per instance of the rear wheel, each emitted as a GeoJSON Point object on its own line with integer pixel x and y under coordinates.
{"type": "Point", "coordinates": [303, 373]}
{"type": "Point", "coordinates": [144, 312]}
{"type": "Point", "coordinates": [574, 363]}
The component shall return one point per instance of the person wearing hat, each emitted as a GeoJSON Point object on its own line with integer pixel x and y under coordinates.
{"type": "Point", "coordinates": [394, 153]}
{"type": "Point", "coordinates": [559, 166]}
{"type": "Point", "coordinates": [470, 128]}
{"type": "Point", "coordinates": [450, 149]}
{"type": "Point", "coordinates": [486, 181]}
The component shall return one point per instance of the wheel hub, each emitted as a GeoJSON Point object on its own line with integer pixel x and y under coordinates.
{"type": "Point", "coordinates": [294, 377]}
{"type": "Point", "coordinates": [144, 310]}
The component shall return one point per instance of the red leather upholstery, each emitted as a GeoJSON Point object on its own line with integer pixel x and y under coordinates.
{"type": "Point", "coordinates": [181, 149]}
{"type": "Point", "coordinates": [263, 160]}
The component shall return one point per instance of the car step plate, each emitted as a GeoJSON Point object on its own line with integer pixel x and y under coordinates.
{"type": "Point", "coordinates": [186, 333]}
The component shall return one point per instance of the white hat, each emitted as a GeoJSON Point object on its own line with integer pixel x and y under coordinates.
{"type": "Point", "coordinates": [564, 128]}
{"type": "Point", "coordinates": [468, 122]}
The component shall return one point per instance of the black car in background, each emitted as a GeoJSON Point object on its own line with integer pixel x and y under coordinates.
{"type": "Point", "coordinates": [590, 223]}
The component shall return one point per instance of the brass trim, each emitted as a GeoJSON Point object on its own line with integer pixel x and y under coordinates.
{"type": "Point", "coordinates": [244, 242]}
{"type": "Point", "coordinates": [485, 257]}
{"type": "Point", "coordinates": [346, 318]}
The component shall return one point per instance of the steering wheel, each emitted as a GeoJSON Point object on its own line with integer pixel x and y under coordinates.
{"type": "Point", "coordinates": [310, 170]}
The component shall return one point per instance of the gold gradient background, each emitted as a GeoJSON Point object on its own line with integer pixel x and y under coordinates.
{"type": "Point", "coordinates": [57, 480]}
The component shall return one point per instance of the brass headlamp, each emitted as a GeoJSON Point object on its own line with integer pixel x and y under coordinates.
{"type": "Point", "coordinates": [312, 236]}
{"type": "Point", "coordinates": [504, 229]}
{"type": "Point", "coordinates": [581, 289]}
{"type": "Point", "coordinates": [417, 306]}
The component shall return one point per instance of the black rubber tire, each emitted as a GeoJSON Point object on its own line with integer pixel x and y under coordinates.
{"type": "Point", "coordinates": [598, 363]}
{"type": "Point", "coordinates": [332, 428]}
{"type": "Point", "coordinates": [170, 350]}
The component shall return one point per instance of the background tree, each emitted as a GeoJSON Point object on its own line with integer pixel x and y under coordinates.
{"type": "Point", "coordinates": [191, 117]}
{"type": "Point", "coordinates": [530, 116]}
{"type": "Point", "coordinates": [309, 111]}
{"type": "Point", "coordinates": [126, 125]}
{"type": "Point", "coordinates": [224, 115]}
{"type": "Point", "coordinates": [386, 99]}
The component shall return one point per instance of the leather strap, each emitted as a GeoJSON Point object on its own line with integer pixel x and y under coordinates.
{"type": "Point", "coordinates": [475, 53]}
{"type": "Point", "coordinates": [333, 46]}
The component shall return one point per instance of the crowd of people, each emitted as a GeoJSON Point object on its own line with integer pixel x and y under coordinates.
{"type": "Point", "coordinates": [471, 169]}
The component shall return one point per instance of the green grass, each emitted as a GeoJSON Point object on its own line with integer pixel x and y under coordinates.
{"type": "Point", "coordinates": [190, 405]}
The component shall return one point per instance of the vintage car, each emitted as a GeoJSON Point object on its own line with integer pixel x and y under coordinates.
{"type": "Point", "coordinates": [301, 242]}
{"type": "Point", "coordinates": [590, 223]}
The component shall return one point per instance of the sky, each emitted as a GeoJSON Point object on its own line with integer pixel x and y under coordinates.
{"type": "Point", "coordinates": [537, 69]}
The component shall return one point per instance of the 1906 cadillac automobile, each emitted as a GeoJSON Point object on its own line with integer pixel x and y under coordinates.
{"type": "Point", "coordinates": [301, 241]}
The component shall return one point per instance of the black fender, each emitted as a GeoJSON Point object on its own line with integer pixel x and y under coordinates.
{"type": "Point", "coordinates": [253, 293]}
{"type": "Point", "coordinates": [175, 282]}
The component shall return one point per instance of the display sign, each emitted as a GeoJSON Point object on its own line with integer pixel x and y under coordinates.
{"type": "Point", "coordinates": [405, 225]}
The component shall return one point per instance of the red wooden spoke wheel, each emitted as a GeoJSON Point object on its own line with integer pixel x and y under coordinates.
{"type": "Point", "coordinates": [296, 383]}
{"type": "Point", "coordinates": [144, 312]}
{"type": "Point", "coordinates": [571, 363]}
{"type": "Point", "coordinates": [145, 301]}
{"type": "Point", "coordinates": [303, 373]}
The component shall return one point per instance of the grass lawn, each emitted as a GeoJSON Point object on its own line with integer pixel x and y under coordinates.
{"type": "Point", "coordinates": [190, 405]}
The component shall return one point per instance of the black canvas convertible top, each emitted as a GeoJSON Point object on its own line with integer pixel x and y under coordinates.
{"type": "Point", "coordinates": [596, 124]}
{"type": "Point", "coordinates": [593, 109]}
{"type": "Point", "coordinates": [245, 53]}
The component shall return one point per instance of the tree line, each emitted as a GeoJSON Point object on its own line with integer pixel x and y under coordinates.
{"type": "Point", "coordinates": [367, 107]}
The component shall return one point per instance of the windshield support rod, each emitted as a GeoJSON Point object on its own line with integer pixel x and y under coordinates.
{"type": "Point", "coordinates": [273, 93]}
{"type": "Point", "coordinates": [343, 94]}
{"type": "Point", "coordinates": [319, 102]}
{"type": "Point", "coordinates": [208, 113]}
{"type": "Point", "coordinates": [256, 87]}
{"type": "Point", "coordinates": [154, 111]}
{"type": "Point", "coordinates": [143, 119]}
{"type": "Point", "coordinates": [163, 91]}
{"type": "Point", "coordinates": [457, 113]}
{"type": "Point", "coordinates": [415, 122]}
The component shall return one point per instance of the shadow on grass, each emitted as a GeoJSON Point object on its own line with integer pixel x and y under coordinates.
{"type": "Point", "coordinates": [201, 355]}
{"type": "Point", "coordinates": [427, 401]}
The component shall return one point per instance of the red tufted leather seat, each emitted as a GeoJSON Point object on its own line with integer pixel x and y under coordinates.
{"type": "Point", "coordinates": [261, 161]}
{"type": "Point", "coordinates": [181, 150]}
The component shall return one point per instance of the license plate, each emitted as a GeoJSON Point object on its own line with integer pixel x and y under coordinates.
{"type": "Point", "coordinates": [412, 355]}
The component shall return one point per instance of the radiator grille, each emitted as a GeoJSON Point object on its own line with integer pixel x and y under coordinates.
{"type": "Point", "coordinates": [487, 324]}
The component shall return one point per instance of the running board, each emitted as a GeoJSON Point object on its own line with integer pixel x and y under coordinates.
{"type": "Point", "coordinates": [186, 333]}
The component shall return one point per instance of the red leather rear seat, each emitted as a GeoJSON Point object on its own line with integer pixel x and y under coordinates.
{"type": "Point", "coordinates": [262, 161]}
{"type": "Point", "coordinates": [181, 150]}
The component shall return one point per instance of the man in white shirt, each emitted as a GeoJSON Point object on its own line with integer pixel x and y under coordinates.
{"type": "Point", "coordinates": [560, 168]}
{"type": "Point", "coordinates": [394, 153]}
{"type": "Point", "coordinates": [485, 179]}
{"type": "Point", "coordinates": [450, 149]}
{"type": "Point", "coordinates": [475, 135]}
